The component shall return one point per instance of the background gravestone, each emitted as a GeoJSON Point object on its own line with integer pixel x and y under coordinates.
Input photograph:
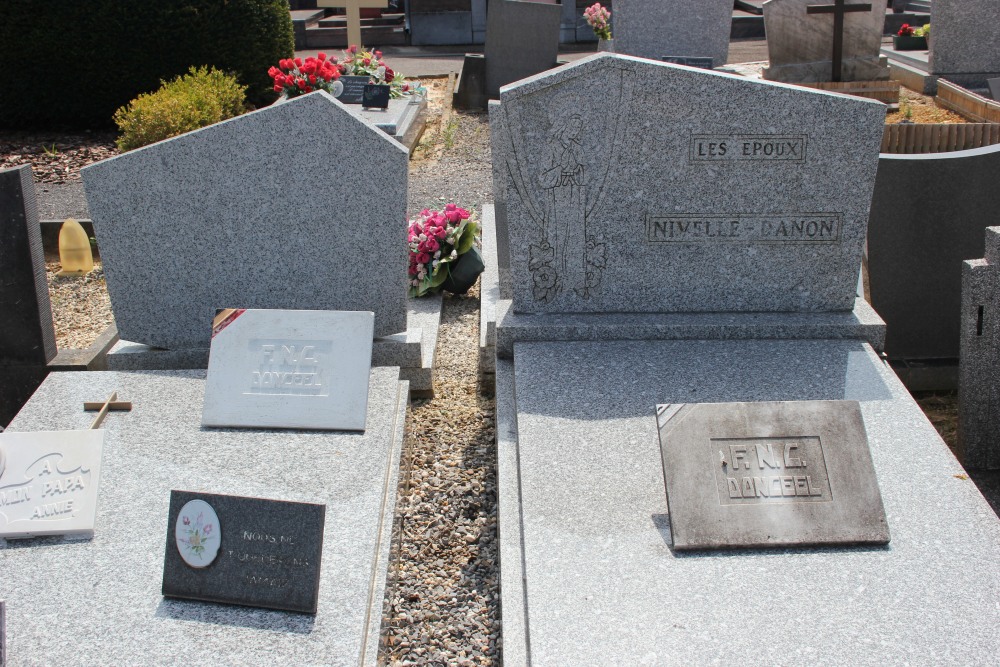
{"type": "Point", "coordinates": [799, 45]}
{"type": "Point", "coordinates": [656, 28]}
{"type": "Point", "coordinates": [522, 39]}
{"type": "Point", "coordinates": [979, 383]}
{"type": "Point", "coordinates": [233, 215]}
{"type": "Point", "coordinates": [27, 336]}
{"type": "Point", "coordinates": [964, 46]}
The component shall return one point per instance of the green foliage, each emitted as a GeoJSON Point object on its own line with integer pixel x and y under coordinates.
{"type": "Point", "coordinates": [74, 62]}
{"type": "Point", "coordinates": [201, 97]}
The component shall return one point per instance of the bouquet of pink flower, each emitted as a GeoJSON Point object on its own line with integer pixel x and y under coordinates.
{"type": "Point", "coordinates": [599, 18]}
{"type": "Point", "coordinates": [436, 240]}
{"type": "Point", "coordinates": [295, 76]}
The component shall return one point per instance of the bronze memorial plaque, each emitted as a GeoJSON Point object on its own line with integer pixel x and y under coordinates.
{"type": "Point", "coordinates": [769, 474]}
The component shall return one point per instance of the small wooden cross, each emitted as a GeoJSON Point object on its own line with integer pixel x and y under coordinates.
{"type": "Point", "coordinates": [838, 9]}
{"type": "Point", "coordinates": [353, 8]}
{"type": "Point", "coordinates": [111, 404]}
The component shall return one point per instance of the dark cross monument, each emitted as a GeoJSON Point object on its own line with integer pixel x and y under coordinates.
{"type": "Point", "coordinates": [838, 9]}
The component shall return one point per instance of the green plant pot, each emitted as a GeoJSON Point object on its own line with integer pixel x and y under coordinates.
{"type": "Point", "coordinates": [909, 43]}
{"type": "Point", "coordinates": [464, 272]}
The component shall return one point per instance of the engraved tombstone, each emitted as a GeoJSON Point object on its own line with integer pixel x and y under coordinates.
{"type": "Point", "coordinates": [800, 43]}
{"type": "Point", "coordinates": [769, 474]}
{"type": "Point", "coordinates": [602, 216]}
{"type": "Point", "coordinates": [289, 369]}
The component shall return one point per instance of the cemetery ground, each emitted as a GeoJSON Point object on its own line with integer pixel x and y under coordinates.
{"type": "Point", "coordinates": [442, 601]}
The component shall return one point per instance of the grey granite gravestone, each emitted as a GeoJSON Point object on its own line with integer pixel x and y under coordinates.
{"type": "Point", "coordinates": [799, 45]}
{"type": "Point", "coordinates": [772, 474]}
{"type": "Point", "coordinates": [3, 633]}
{"type": "Point", "coordinates": [964, 47]}
{"type": "Point", "coordinates": [928, 215]}
{"type": "Point", "coordinates": [994, 85]}
{"type": "Point", "coordinates": [581, 492]}
{"type": "Point", "coordinates": [979, 384]}
{"type": "Point", "coordinates": [160, 446]}
{"type": "Point", "coordinates": [269, 552]}
{"type": "Point", "coordinates": [657, 28]}
{"type": "Point", "coordinates": [232, 215]}
{"type": "Point", "coordinates": [27, 335]}
{"type": "Point", "coordinates": [522, 39]}
{"type": "Point", "coordinates": [592, 203]}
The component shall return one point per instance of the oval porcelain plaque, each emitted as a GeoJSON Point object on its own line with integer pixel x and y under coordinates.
{"type": "Point", "coordinates": [198, 533]}
{"type": "Point", "coordinates": [338, 88]}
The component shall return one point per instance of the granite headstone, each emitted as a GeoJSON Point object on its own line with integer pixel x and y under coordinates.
{"type": "Point", "coordinates": [799, 44]}
{"type": "Point", "coordinates": [49, 482]}
{"type": "Point", "coordinates": [979, 384]}
{"type": "Point", "coordinates": [248, 551]}
{"type": "Point", "coordinates": [600, 218]}
{"type": "Point", "coordinates": [964, 47]}
{"type": "Point", "coordinates": [27, 335]}
{"type": "Point", "coordinates": [656, 28]}
{"type": "Point", "coordinates": [769, 474]}
{"type": "Point", "coordinates": [522, 39]}
{"type": "Point", "coordinates": [218, 218]}
{"type": "Point", "coordinates": [994, 86]}
{"type": "Point", "coordinates": [289, 369]}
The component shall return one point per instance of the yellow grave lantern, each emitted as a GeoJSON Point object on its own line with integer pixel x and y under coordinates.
{"type": "Point", "coordinates": [75, 255]}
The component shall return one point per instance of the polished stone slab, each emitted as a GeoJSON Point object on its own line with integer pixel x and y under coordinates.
{"type": "Point", "coordinates": [769, 474]}
{"type": "Point", "coordinates": [583, 512]}
{"type": "Point", "coordinates": [489, 296]}
{"type": "Point", "coordinates": [522, 39]}
{"type": "Point", "coordinates": [289, 369]}
{"type": "Point", "coordinates": [656, 28]}
{"type": "Point", "coordinates": [160, 446]}
{"type": "Point", "coordinates": [964, 42]}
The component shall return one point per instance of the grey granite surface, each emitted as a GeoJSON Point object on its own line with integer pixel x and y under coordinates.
{"type": "Point", "coordinates": [498, 140]}
{"type": "Point", "coordinates": [103, 594]}
{"type": "Point", "coordinates": [657, 28]}
{"type": "Point", "coordinates": [800, 45]}
{"type": "Point", "coordinates": [233, 216]}
{"type": "Point", "coordinates": [489, 294]}
{"type": "Point", "coordinates": [964, 38]}
{"type": "Point", "coordinates": [593, 522]}
{"type": "Point", "coordinates": [863, 323]}
{"type": "Point", "coordinates": [58, 201]}
{"type": "Point", "coordinates": [522, 38]}
{"type": "Point", "coordinates": [928, 214]}
{"type": "Point", "coordinates": [978, 382]}
{"type": "Point", "coordinates": [613, 167]}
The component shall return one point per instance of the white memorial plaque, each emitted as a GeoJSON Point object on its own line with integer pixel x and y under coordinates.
{"type": "Point", "coordinates": [304, 369]}
{"type": "Point", "coordinates": [48, 482]}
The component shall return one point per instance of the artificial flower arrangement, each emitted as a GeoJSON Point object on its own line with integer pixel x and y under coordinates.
{"type": "Point", "coordinates": [437, 240]}
{"type": "Point", "coordinates": [295, 76]}
{"type": "Point", "coordinates": [906, 30]}
{"type": "Point", "coordinates": [362, 62]}
{"type": "Point", "coordinates": [599, 19]}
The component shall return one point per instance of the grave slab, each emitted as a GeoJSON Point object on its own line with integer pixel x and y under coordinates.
{"type": "Point", "coordinates": [208, 220]}
{"type": "Point", "coordinates": [289, 369]}
{"type": "Point", "coordinates": [587, 212]}
{"type": "Point", "coordinates": [656, 28]}
{"type": "Point", "coordinates": [800, 44]}
{"type": "Point", "coordinates": [584, 513]}
{"type": "Point", "coordinates": [160, 446]}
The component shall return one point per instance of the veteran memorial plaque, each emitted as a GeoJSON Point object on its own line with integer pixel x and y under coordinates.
{"type": "Point", "coordinates": [247, 551]}
{"type": "Point", "coordinates": [289, 369]}
{"type": "Point", "coordinates": [789, 473]}
{"type": "Point", "coordinates": [48, 482]}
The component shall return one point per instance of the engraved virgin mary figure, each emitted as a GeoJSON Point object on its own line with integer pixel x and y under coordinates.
{"type": "Point", "coordinates": [563, 177]}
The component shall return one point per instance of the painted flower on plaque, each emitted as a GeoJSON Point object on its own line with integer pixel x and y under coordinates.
{"type": "Point", "coordinates": [198, 534]}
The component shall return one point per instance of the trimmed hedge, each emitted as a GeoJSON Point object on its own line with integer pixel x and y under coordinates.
{"type": "Point", "coordinates": [74, 62]}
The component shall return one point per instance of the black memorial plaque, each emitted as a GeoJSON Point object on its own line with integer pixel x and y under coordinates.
{"type": "Point", "coordinates": [691, 61]}
{"type": "Point", "coordinates": [376, 96]}
{"type": "Point", "coordinates": [268, 552]}
{"type": "Point", "coordinates": [769, 474]}
{"type": "Point", "coordinates": [354, 89]}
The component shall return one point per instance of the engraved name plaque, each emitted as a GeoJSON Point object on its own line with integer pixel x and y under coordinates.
{"type": "Point", "coordinates": [48, 482]}
{"type": "Point", "coordinates": [247, 551]}
{"type": "Point", "coordinates": [769, 474]}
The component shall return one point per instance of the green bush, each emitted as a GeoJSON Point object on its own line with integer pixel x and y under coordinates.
{"type": "Point", "coordinates": [74, 62]}
{"type": "Point", "coordinates": [199, 98]}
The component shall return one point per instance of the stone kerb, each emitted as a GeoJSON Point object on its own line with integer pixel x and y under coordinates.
{"type": "Point", "coordinates": [979, 384]}
{"type": "Point", "coordinates": [272, 209]}
{"type": "Point", "coordinates": [610, 173]}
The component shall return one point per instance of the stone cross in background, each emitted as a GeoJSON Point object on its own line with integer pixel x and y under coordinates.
{"type": "Point", "coordinates": [838, 9]}
{"type": "Point", "coordinates": [353, 9]}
